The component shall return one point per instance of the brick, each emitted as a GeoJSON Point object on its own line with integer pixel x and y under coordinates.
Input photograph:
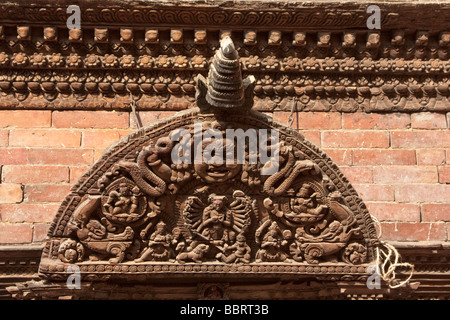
{"type": "Point", "coordinates": [375, 192]}
{"type": "Point", "coordinates": [404, 231]}
{"type": "Point", "coordinates": [99, 138]}
{"type": "Point", "coordinates": [13, 156]}
{"type": "Point", "coordinates": [319, 120]}
{"type": "Point", "coordinates": [149, 117]}
{"type": "Point", "coordinates": [98, 153]}
{"type": "Point", "coordinates": [428, 120]}
{"type": "Point", "coordinates": [15, 233]}
{"type": "Point", "coordinates": [90, 119]}
{"type": "Point", "coordinates": [313, 136]}
{"type": "Point", "coordinates": [391, 211]}
{"type": "Point", "coordinates": [422, 193]}
{"type": "Point", "coordinates": [40, 231]}
{"type": "Point", "coordinates": [45, 138]}
{"type": "Point", "coordinates": [358, 174]}
{"type": "Point", "coordinates": [25, 118]}
{"type": "Point", "coordinates": [375, 121]}
{"type": "Point", "coordinates": [435, 212]}
{"type": "Point", "coordinates": [340, 156]}
{"type": "Point", "coordinates": [447, 225]}
{"type": "Point", "coordinates": [4, 138]}
{"type": "Point", "coordinates": [355, 139]}
{"type": "Point", "coordinates": [46, 193]}
{"type": "Point", "coordinates": [405, 174]}
{"type": "Point", "coordinates": [430, 157]}
{"type": "Point", "coordinates": [35, 174]}
{"type": "Point", "coordinates": [384, 157]}
{"type": "Point", "coordinates": [283, 117]}
{"type": "Point", "coordinates": [420, 139]}
{"type": "Point", "coordinates": [28, 212]}
{"type": "Point", "coordinates": [11, 193]}
{"type": "Point", "coordinates": [60, 156]}
{"type": "Point", "coordinates": [76, 173]}
{"type": "Point", "coordinates": [444, 174]}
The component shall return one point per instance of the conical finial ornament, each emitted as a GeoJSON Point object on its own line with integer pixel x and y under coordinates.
{"type": "Point", "coordinates": [224, 88]}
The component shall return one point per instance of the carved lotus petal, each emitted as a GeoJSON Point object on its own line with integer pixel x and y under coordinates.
{"type": "Point", "coordinates": [429, 89]}
{"type": "Point", "coordinates": [340, 89]}
{"type": "Point", "coordinates": [329, 89]}
{"type": "Point", "coordinates": [48, 86]}
{"type": "Point", "coordinates": [104, 86]}
{"type": "Point", "coordinates": [319, 89]}
{"type": "Point", "coordinates": [442, 89]}
{"type": "Point", "coordinates": [133, 87]}
{"type": "Point", "coordinates": [289, 89]}
{"type": "Point", "coordinates": [258, 90]}
{"type": "Point", "coordinates": [5, 85]}
{"type": "Point", "coordinates": [415, 88]}
{"type": "Point", "coordinates": [268, 89]}
{"type": "Point", "coordinates": [62, 86]}
{"type": "Point", "coordinates": [351, 90]}
{"type": "Point", "coordinates": [364, 90]}
{"type": "Point", "coordinates": [279, 89]}
{"type": "Point", "coordinates": [160, 87]}
{"type": "Point", "coordinates": [309, 89]}
{"type": "Point", "coordinates": [34, 86]}
{"type": "Point", "coordinates": [20, 85]}
{"type": "Point", "coordinates": [147, 87]}
{"type": "Point", "coordinates": [401, 88]}
{"type": "Point", "coordinates": [77, 86]}
{"type": "Point", "coordinates": [188, 88]}
{"type": "Point", "coordinates": [174, 88]}
{"type": "Point", "coordinates": [387, 88]}
{"type": "Point", "coordinates": [91, 86]}
{"type": "Point", "coordinates": [118, 86]}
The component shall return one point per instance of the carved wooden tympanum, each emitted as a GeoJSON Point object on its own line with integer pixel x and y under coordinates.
{"type": "Point", "coordinates": [141, 213]}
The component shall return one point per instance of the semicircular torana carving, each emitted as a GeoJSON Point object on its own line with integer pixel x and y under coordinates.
{"type": "Point", "coordinates": [159, 203]}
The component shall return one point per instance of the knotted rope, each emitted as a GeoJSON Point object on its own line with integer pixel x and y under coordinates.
{"type": "Point", "coordinates": [387, 261]}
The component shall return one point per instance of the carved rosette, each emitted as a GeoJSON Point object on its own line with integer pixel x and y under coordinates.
{"type": "Point", "coordinates": [140, 213]}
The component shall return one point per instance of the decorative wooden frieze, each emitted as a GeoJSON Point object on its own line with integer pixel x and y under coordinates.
{"type": "Point", "coordinates": [139, 213]}
{"type": "Point", "coordinates": [370, 70]}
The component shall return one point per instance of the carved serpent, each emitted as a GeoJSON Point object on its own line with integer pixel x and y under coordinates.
{"type": "Point", "coordinates": [298, 167]}
{"type": "Point", "coordinates": [140, 170]}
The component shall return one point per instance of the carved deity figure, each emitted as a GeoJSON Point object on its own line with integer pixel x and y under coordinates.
{"type": "Point", "coordinates": [159, 245]}
{"type": "Point", "coordinates": [239, 251]}
{"type": "Point", "coordinates": [123, 201]}
{"type": "Point", "coordinates": [271, 245]}
{"type": "Point", "coordinates": [217, 221]}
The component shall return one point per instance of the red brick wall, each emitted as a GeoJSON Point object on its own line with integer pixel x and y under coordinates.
{"type": "Point", "coordinates": [398, 162]}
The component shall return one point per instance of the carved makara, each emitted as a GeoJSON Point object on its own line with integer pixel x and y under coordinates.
{"type": "Point", "coordinates": [146, 207]}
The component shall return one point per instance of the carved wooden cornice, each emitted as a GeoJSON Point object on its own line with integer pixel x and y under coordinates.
{"type": "Point", "coordinates": [318, 56]}
{"type": "Point", "coordinates": [255, 14]}
{"type": "Point", "coordinates": [19, 266]}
